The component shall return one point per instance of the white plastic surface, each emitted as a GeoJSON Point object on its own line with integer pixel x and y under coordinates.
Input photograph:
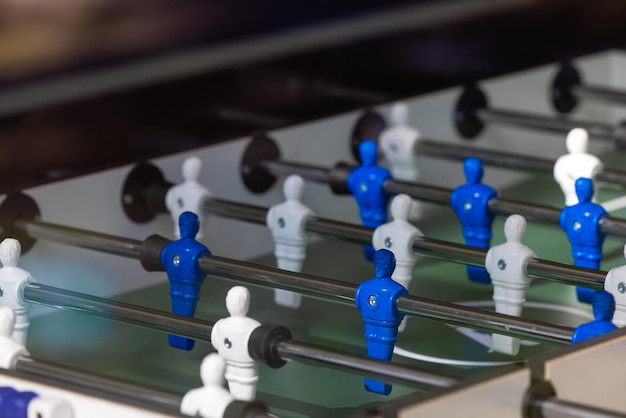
{"type": "Point", "coordinates": [286, 221]}
{"type": "Point", "coordinates": [188, 195]}
{"type": "Point", "coordinates": [10, 350]}
{"type": "Point", "coordinates": [12, 279]}
{"type": "Point", "coordinates": [397, 143]}
{"type": "Point", "coordinates": [506, 264]}
{"type": "Point", "coordinates": [211, 400]}
{"type": "Point", "coordinates": [575, 164]}
{"type": "Point", "coordinates": [49, 407]}
{"type": "Point", "coordinates": [230, 338]}
{"type": "Point", "coordinates": [615, 284]}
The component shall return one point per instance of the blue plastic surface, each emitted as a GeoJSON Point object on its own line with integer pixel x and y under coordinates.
{"type": "Point", "coordinates": [14, 404]}
{"type": "Point", "coordinates": [603, 308]}
{"type": "Point", "coordinates": [180, 260]}
{"type": "Point", "coordinates": [581, 223]}
{"type": "Point", "coordinates": [470, 201]}
{"type": "Point", "coordinates": [377, 299]}
{"type": "Point", "coordinates": [366, 183]}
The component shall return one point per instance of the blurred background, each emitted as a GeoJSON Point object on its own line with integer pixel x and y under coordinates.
{"type": "Point", "coordinates": [91, 84]}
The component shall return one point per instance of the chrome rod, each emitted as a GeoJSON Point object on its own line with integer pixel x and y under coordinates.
{"type": "Point", "coordinates": [449, 251]}
{"type": "Point", "coordinates": [201, 330]}
{"type": "Point", "coordinates": [604, 94]}
{"type": "Point", "coordinates": [549, 123]}
{"type": "Point", "coordinates": [556, 408]}
{"type": "Point", "coordinates": [440, 149]}
{"type": "Point", "coordinates": [441, 195]}
{"type": "Point", "coordinates": [97, 385]}
{"type": "Point", "coordinates": [340, 291]}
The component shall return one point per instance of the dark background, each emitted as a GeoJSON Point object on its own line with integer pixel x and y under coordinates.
{"type": "Point", "coordinates": [66, 109]}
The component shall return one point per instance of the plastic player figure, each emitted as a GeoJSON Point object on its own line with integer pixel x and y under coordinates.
{"type": "Point", "coordinates": [470, 201]}
{"type": "Point", "coordinates": [581, 223]}
{"type": "Point", "coordinates": [377, 299]}
{"type": "Point", "coordinates": [12, 279]}
{"type": "Point", "coordinates": [189, 195]}
{"type": "Point", "coordinates": [397, 236]}
{"type": "Point", "coordinates": [212, 399]}
{"type": "Point", "coordinates": [577, 163]}
{"type": "Point", "coordinates": [10, 349]}
{"type": "Point", "coordinates": [286, 221]}
{"type": "Point", "coordinates": [603, 307]}
{"type": "Point", "coordinates": [180, 259]}
{"type": "Point", "coordinates": [366, 183]}
{"type": "Point", "coordinates": [397, 144]}
{"type": "Point", "coordinates": [615, 284]}
{"type": "Point", "coordinates": [16, 404]}
{"type": "Point", "coordinates": [230, 338]}
{"type": "Point", "coordinates": [506, 264]}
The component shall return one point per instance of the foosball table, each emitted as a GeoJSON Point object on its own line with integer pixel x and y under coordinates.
{"type": "Point", "coordinates": [94, 285]}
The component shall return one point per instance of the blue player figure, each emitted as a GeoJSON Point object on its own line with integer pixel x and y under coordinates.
{"type": "Point", "coordinates": [470, 201]}
{"type": "Point", "coordinates": [603, 308]}
{"type": "Point", "coordinates": [377, 299]}
{"type": "Point", "coordinates": [366, 183]}
{"type": "Point", "coordinates": [14, 403]}
{"type": "Point", "coordinates": [180, 260]}
{"type": "Point", "coordinates": [581, 223]}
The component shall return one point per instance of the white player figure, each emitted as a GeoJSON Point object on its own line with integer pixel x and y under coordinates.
{"type": "Point", "coordinates": [575, 164]}
{"type": "Point", "coordinates": [189, 195]}
{"type": "Point", "coordinates": [615, 284]}
{"type": "Point", "coordinates": [286, 221]}
{"type": "Point", "coordinates": [47, 407]}
{"type": "Point", "coordinates": [12, 279]}
{"type": "Point", "coordinates": [506, 264]}
{"type": "Point", "coordinates": [230, 338]}
{"type": "Point", "coordinates": [212, 399]}
{"type": "Point", "coordinates": [397, 236]}
{"type": "Point", "coordinates": [397, 144]}
{"type": "Point", "coordinates": [10, 350]}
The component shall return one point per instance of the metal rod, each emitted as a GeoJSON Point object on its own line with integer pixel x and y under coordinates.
{"type": "Point", "coordinates": [337, 291]}
{"type": "Point", "coordinates": [549, 123]}
{"type": "Point", "coordinates": [449, 251]}
{"type": "Point", "coordinates": [201, 330]}
{"type": "Point", "coordinates": [439, 149]}
{"type": "Point", "coordinates": [310, 353]}
{"type": "Point", "coordinates": [119, 311]}
{"type": "Point", "coordinates": [97, 385]}
{"type": "Point", "coordinates": [329, 289]}
{"type": "Point", "coordinates": [556, 408]}
{"type": "Point", "coordinates": [441, 195]}
{"type": "Point", "coordinates": [605, 94]}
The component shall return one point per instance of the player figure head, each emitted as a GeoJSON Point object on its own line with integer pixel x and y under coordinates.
{"type": "Point", "coordinates": [584, 189]}
{"type": "Point", "coordinates": [7, 321]}
{"type": "Point", "coordinates": [368, 151]}
{"type": "Point", "coordinates": [399, 114]}
{"type": "Point", "coordinates": [514, 228]}
{"type": "Point", "coordinates": [473, 168]}
{"type": "Point", "coordinates": [191, 169]}
{"type": "Point", "coordinates": [238, 301]}
{"type": "Point", "coordinates": [603, 305]}
{"type": "Point", "coordinates": [293, 188]}
{"type": "Point", "coordinates": [384, 263]}
{"type": "Point", "coordinates": [212, 370]}
{"type": "Point", "coordinates": [401, 207]}
{"type": "Point", "coordinates": [189, 225]}
{"type": "Point", "coordinates": [10, 251]}
{"type": "Point", "coordinates": [576, 141]}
